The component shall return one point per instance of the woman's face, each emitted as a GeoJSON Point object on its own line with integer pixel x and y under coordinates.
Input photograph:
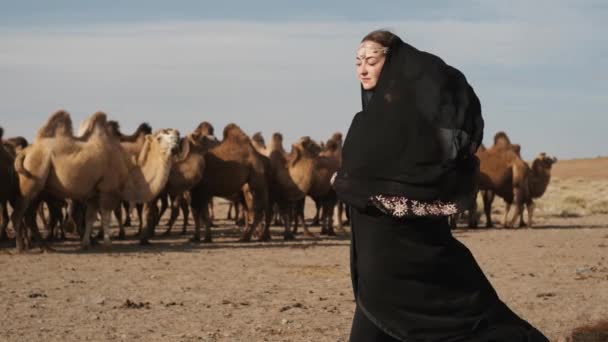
{"type": "Point", "coordinates": [370, 59]}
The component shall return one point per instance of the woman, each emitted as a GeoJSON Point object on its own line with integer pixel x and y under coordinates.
{"type": "Point", "coordinates": [408, 163]}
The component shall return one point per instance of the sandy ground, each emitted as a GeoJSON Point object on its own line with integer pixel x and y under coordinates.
{"type": "Point", "coordinates": [555, 276]}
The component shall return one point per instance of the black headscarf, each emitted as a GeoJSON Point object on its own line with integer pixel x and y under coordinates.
{"type": "Point", "coordinates": [415, 134]}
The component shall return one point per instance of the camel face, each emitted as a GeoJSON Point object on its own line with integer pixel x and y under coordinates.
{"type": "Point", "coordinates": [168, 140]}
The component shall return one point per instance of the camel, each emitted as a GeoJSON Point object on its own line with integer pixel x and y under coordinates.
{"type": "Point", "coordinates": [132, 144]}
{"type": "Point", "coordinates": [9, 185]}
{"type": "Point", "coordinates": [538, 180]}
{"type": "Point", "coordinates": [92, 168]}
{"type": "Point", "coordinates": [258, 143]}
{"type": "Point", "coordinates": [502, 173]}
{"type": "Point", "coordinates": [186, 172]}
{"type": "Point", "coordinates": [326, 164]}
{"type": "Point", "coordinates": [230, 167]}
{"type": "Point", "coordinates": [293, 178]}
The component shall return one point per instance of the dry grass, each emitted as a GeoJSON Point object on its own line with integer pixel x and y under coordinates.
{"type": "Point", "coordinates": [574, 197]}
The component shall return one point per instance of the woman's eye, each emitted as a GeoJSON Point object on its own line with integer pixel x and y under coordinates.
{"type": "Point", "coordinates": [372, 61]}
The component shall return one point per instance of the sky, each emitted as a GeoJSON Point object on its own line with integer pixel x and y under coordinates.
{"type": "Point", "coordinates": [540, 68]}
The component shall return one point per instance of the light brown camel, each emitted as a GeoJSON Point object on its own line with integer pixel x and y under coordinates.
{"type": "Point", "coordinates": [538, 180]}
{"type": "Point", "coordinates": [186, 172]}
{"type": "Point", "coordinates": [230, 167]}
{"type": "Point", "coordinates": [132, 144]}
{"type": "Point", "coordinates": [502, 173]}
{"type": "Point", "coordinates": [92, 168]}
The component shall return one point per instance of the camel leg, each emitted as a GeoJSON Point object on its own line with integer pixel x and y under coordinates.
{"type": "Point", "coordinates": [285, 213]}
{"type": "Point", "coordinates": [43, 218]}
{"type": "Point", "coordinates": [328, 213]}
{"type": "Point", "coordinates": [54, 214]}
{"type": "Point", "coordinates": [229, 214]}
{"type": "Point", "coordinates": [196, 206]}
{"type": "Point", "coordinates": [164, 204]}
{"type": "Point", "coordinates": [239, 214]}
{"type": "Point", "coordinates": [211, 210]}
{"type": "Point", "coordinates": [505, 221]}
{"type": "Point", "coordinates": [488, 198]}
{"type": "Point", "coordinates": [174, 213]}
{"type": "Point", "coordinates": [106, 218]}
{"type": "Point", "coordinates": [207, 220]}
{"type": "Point", "coordinates": [127, 207]}
{"type": "Point", "coordinates": [89, 218]}
{"type": "Point", "coordinates": [531, 206]}
{"type": "Point", "coordinates": [268, 215]}
{"type": "Point", "coordinates": [5, 219]}
{"type": "Point", "coordinates": [315, 220]}
{"type": "Point", "coordinates": [121, 226]}
{"type": "Point", "coordinates": [185, 212]}
{"type": "Point", "coordinates": [140, 216]}
{"type": "Point", "coordinates": [519, 203]}
{"type": "Point", "coordinates": [151, 218]}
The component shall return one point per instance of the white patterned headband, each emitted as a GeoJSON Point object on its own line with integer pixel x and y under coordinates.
{"type": "Point", "coordinates": [366, 52]}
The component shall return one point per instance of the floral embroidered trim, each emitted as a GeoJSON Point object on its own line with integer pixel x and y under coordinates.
{"type": "Point", "coordinates": [399, 206]}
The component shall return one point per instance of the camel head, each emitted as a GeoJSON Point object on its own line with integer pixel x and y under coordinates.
{"type": "Point", "coordinates": [543, 163]}
{"type": "Point", "coordinates": [167, 140]}
{"type": "Point", "coordinates": [258, 139]}
{"type": "Point", "coordinates": [58, 123]}
{"type": "Point", "coordinates": [337, 137]}
{"type": "Point", "coordinates": [502, 139]}
{"type": "Point", "coordinates": [517, 149]}
{"type": "Point", "coordinates": [204, 128]}
{"type": "Point", "coordinates": [332, 145]}
{"type": "Point", "coordinates": [307, 146]}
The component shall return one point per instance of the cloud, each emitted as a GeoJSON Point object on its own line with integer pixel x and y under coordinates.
{"type": "Point", "coordinates": [292, 76]}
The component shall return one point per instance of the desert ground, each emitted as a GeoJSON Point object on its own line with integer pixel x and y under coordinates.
{"type": "Point", "coordinates": [555, 275]}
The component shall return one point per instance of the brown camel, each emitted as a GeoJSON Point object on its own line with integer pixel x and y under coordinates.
{"type": "Point", "coordinates": [259, 144]}
{"type": "Point", "coordinates": [538, 180]}
{"type": "Point", "coordinates": [326, 164]}
{"type": "Point", "coordinates": [230, 167]}
{"type": "Point", "coordinates": [293, 178]}
{"type": "Point", "coordinates": [502, 173]}
{"type": "Point", "coordinates": [92, 168]}
{"type": "Point", "coordinates": [8, 186]}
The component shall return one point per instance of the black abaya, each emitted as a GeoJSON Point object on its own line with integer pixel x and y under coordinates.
{"type": "Point", "coordinates": [416, 282]}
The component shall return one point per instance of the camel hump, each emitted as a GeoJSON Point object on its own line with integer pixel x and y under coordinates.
{"type": "Point", "coordinates": [233, 132]}
{"type": "Point", "coordinates": [144, 128]}
{"type": "Point", "coordinates": [257, 137]}
{"type": "Point", "coordinates": [277, 136]}
{"type": "Point", "coordinates": [87, 127]}
{"type": "Point", "coordinates": [517, 149]}
{"type": "Point", "coordinates": [501, 138]}
{"type": "Point", "coordinates": [332, 145]}
{"type": "Point", "coordinates": [337, 136]}
{"type": "Point", "coordinates": [113, 128]}
{"type": "Point", "coordinates": [59, 121]}
{"type": "Point", "coordinates": [204, 128]}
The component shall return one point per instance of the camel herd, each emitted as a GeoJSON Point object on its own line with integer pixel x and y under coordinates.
{"type": "Point", "coordinates": [99, 171]}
